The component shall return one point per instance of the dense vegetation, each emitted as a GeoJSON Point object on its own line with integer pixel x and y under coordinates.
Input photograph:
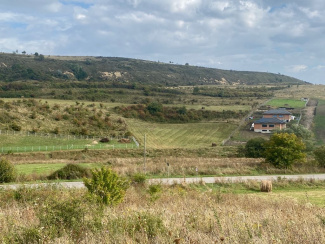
{"type": "Point", "coordinates": [158, 113]}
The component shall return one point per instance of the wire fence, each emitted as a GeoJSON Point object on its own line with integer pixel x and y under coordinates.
{"type": "Point", "coordinates": [66, 147]}
{"type": "Point", "coordinates": [63, 136]}
{"type": "Point", "coordinates": [127, 142]}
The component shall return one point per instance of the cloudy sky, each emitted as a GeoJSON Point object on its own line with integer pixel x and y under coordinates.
{"type": "Point", "coordinates": [286, 37]}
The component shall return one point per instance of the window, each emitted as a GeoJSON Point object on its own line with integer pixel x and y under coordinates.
{"type": "Point", "coordinates": [274, 116]}
{"type": "Point", "coordinates": [271, 125]}
{"type": "Point", "coordinates": [280, 116]}
{"type": "Point", "coordinates": [264, 125]}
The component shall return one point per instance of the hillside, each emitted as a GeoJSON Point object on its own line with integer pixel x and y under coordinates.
{"type": "Point", "coordinates": [16, 67]}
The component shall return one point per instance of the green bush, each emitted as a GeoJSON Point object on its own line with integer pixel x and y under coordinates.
{"type": "Point", "coordinates": [139, 178]}
{"type": "Point", "coordinates": [7, 171]}
{"type": "Point", "coordinates": [106, 186]}
{"type": "Point", "coordinates": [319, 154]}
{"type": "Point", "coordinates": [255, 148]}
{"type": "Point", "coordinates": [69, 172]}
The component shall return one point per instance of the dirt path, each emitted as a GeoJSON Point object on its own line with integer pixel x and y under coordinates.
{"type": "Point", "coordinates": [308, 114]}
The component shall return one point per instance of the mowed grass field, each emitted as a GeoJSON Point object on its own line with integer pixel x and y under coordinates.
{"type": "Point", "coordinates": [294, 103]}
{"type": "Point", "coordinates": [191, 135]}
{"type": "Point", "coordinates": [46, 169]}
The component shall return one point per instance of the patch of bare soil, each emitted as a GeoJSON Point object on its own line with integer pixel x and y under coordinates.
{"type": "Point", "coordinates": [308, 113]}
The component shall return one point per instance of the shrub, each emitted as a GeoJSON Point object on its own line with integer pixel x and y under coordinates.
{"type": "Point", "coordinates": [254, 148]}
{"type": "Point", "coordinates": [7, 171]}
{"type": "Point", "coordinates": [139, 178]}
{"type": "Point", "coordinates": [104, 140]}
{"type": "Point", "coordinates": [15, 127]}
{"type": "Point", "coordinates": [319, 154]}
{"type": "Point", "coordinates": [69, 172]}
{"type": "Point", "coordinates": [106, 186]}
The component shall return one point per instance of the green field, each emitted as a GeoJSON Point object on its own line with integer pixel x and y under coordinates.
{"type": "Point", "coordinates": [47, 168]}
{"type": "Point", "coordinates": [191, 135]}
{"type": "Point", "coordinates": [25, 143]}
{"type": "Point", "coordinates": [293, 103]}
{"type": "Point", "coordinates": [319, 122]}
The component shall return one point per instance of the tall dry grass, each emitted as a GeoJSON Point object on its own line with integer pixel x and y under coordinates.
{"type": "Point", "coordinates": [180, 214]}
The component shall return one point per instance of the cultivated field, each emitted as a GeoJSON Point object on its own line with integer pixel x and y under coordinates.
{"type": "Point", "coordinates": [190, 135]}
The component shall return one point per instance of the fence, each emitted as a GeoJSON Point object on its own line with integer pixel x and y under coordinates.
{"type": "Point", "coordinates": [116, 145]}
{"type": "Point", "coordinates": [62, 136]}
{"type": "Point", "coordinates": [67, 147]}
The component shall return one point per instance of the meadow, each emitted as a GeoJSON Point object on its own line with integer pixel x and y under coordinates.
{"type": "Point", "coordinates": [174, 214]}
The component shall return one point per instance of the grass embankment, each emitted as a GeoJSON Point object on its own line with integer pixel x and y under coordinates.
{"type": "Point", "coordinates": [319, 122]}
{"type": "Point", "coordinates": [191, 135]}
{"type": "Point", "coordinates": [175, 214]}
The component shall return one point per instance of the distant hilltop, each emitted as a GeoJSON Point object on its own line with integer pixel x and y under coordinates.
{"type": "Point", "coordinates": [22, 67]}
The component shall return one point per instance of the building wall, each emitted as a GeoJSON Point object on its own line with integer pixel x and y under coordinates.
{"type": "Point", "coordinates": [268, 129]}
{"type": "Point", "coordinates": [286, 117]}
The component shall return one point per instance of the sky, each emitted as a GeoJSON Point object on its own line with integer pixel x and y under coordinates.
{"type": "Point", "coordinates": [286, 37]}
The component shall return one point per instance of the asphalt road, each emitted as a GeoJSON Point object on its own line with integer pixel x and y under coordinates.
{"type": "Point", "coordinates": [170, 181]}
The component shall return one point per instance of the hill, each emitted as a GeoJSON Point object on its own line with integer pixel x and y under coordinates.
{"type": "Point", "coordinates": [16, 67]}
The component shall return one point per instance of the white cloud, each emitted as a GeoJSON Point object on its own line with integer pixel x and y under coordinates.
{"type": "Point", "coordinates": [297, 68]}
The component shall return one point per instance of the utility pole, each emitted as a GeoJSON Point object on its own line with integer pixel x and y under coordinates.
{"type": "Point", "coordinates": [144, 155]}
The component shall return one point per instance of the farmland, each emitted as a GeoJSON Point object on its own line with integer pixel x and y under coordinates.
{"type": "Point", "coordinates": [57, 120]}
{"type": "Point", "coordinates": [192, 135]}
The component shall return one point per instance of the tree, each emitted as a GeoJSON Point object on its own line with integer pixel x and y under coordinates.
{"type": "Point", "coordinates": [255, 148]}
{"type": "Point", "coordinates": [284, 149]}
{"type": "Point", "coordinates": [319, 154]}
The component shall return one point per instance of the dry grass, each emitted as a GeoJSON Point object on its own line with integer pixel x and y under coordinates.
{"type": "Point", "coordinates": [179, 213]}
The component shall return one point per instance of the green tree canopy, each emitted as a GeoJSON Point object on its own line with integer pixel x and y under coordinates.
{"type": "Point", "coordinates": [284, 149]}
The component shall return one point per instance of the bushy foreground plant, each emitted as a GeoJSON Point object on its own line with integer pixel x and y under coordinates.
{"type": "Point", "coordinates": [69, 172]}
{"type": "Point", "coordinates": [7, 171]}
{"type": "Point", "coordinates": [106, 186]}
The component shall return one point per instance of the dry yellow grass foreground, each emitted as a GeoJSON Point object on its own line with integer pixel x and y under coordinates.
{"type": "Point", "coordinates": [177, 214]}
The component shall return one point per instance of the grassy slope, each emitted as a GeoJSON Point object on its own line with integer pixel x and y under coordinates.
{"type": "Point", "coordinates": [192, 135]}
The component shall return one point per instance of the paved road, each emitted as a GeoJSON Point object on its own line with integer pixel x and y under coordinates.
{"type": "Point", "coordinates": [170, 181]}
